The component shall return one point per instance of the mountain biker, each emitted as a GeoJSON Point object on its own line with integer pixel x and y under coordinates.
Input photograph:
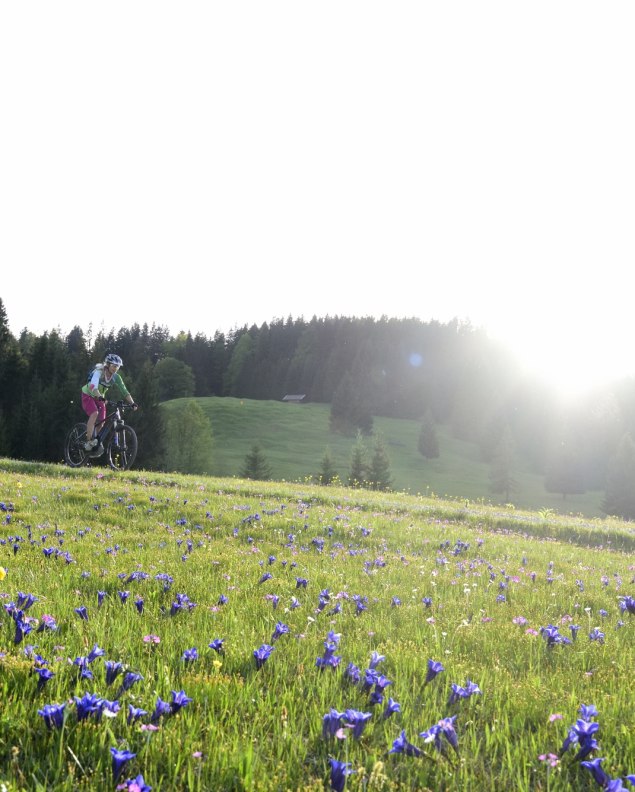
{"type": "Point", "coordinates": [100, 379]}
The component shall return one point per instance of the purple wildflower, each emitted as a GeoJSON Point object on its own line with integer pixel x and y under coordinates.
{"type": "Point", "coordinates": [401, 745]}
{"type": "Point", "coordinates": [391, 708]}
{"type": "Point", "coordinates": [280, 629]}
{"type": "Point", "coordinates": [179, 700]}
{"type": "Point", "coordinates": [217, 645]}
{"type": "Point", "coordinates": [112, 670]}
{"type": "Point", "coordinates": [434, 669]}
{"type": "Point", "coordinates": [599, 775]}
{"type": "Point", "coordinates": [134, 713]}
{"type": "Point", "coordinates": [82, 612]}
{"type": "Point", "coordinates": [339, 771]}
{"type": "Point", "coordinates": [262, 654]}
{"type": "Point", "coordinates": [53, 715]}
{"type": "Point", "coordinates": [331, 723]}
{"type": "Point", "coordinates": [137, 784]}
{"type": "Point", "coordinates": [119, 759]}
{"type": "Point", "coordinates": [357, 721]}
{"type": "Point", "coordinates": [161, 708]}
{"type": "Point", "coordinates": [43, 676]}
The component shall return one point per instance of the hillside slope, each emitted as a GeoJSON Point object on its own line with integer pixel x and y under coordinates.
{"type": "Point", "coordinates": [294, 438]}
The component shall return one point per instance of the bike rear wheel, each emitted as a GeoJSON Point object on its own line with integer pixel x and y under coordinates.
{"type": "Point", "coordinates": [74, 452]}
{"type": "Point", "coordinates": [122, 448]}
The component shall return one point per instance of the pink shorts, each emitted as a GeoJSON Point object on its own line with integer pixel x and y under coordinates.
{"type": "Point", "coordinates": [91, 405]}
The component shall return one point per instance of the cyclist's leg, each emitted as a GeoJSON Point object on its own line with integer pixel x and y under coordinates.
{"type": "Point", "coordinates": [95, 410]}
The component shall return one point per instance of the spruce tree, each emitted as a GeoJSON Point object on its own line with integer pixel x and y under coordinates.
{"type": "Point", "coordinates": [619, 497]}
{"type": "Point", "coordinates": [428, 443]}
{"type": "Point", "coordinates": [502, 480]}
{"type": "Point", "coordinates": [357, 472]}
{"type": "Point", "coordinates": [378, 473]}
{"type": "Point", "coordinates": [256, 466]}
{"type": "Point", "coordinates": [328, 473]}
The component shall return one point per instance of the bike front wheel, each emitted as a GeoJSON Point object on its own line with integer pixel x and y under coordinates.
{"type": "Point", "coordinates": [74, 452]}
{"type": "Point", "coordinates": [122, 448]}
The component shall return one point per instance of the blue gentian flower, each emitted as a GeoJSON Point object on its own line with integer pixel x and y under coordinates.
{"type": "Point", "coordinates": [134, 713]}
{"type": "Point", "coordinates": [161, 708]}
{"type": "Point", "coordinates": [43, 676]}
{"type": "Point", "coordinates": [84, 670]}
{"type": "Point", "coordinates": [107, 708]}
{"type": "Point", "coordinates": [352, 673]}
{"type": "Point", "coordinates": [94, 653]}
{"type": "Point", "coordinates": [391, 708]}
{"type": "Point", "coordinates": [47, 623]}
{"type": "Point", "coordinates": [87, 705]}
{"type": "Point", "coordinates": [112, 670]}
{"type": "Point", "coordinates": [129, 680]}
{"type": "Point", "coordinates": [446, 727]}
{"type": "Point", "coordinates": [357, 720]}
{"type": "Point", "coordinates": [139, 604]}
{"type": "Point", "coordinates": [594, 767]}
{"type": "Point", "coordinates": [137, 784]}
{"type": "Point", "coordinates": [179, 700]}
{"type": "Point", "coordinates": [262, 654]}
{"type": "Point", "coordinates": [25, 601]}
{"type": "Point", "coordinates": [119, 759]}
{"type": "Point", "coordinates": [217, 645]}
{"type": "Point", "coordinates": [280, 629]}
{"type": "Point", "coordinates": [22, 628]}
{"type": "Point", "coordinates": [331, 723]}
{"type": "Point", "coordinates": [434, 669]}
{"type": "Point", "coordinates": [376, 659]}
{"type": "Point", "coordinates": [339, 771]}
{"type": "Point", "coordinates": [189, 655]}
{"type": "Point", "coordinates": [53, 715]}
{"type": "Point", "coordinates": [82, 612]}
{"type": "Point", "coordinates": [402, 746]}
{"type": "Point", "coordinates": [100, 598]}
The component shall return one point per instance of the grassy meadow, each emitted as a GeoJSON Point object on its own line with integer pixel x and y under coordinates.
{"type": "Point", "coordinates": [169, 632]}
{"type": "Point", "coordinates": [295, 436]}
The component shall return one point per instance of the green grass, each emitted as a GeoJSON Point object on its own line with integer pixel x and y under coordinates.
{"type": "Point", "coordinates": [261, 729]}
{"type": "Point", "coordinates": [294, 438]}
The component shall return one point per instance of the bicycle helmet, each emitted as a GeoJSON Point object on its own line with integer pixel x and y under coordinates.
{"type": "Point", "coordinates": [114, 359]}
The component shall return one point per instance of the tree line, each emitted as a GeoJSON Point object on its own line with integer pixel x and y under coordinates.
{"type": "Point", "coordinates": [438, 373]}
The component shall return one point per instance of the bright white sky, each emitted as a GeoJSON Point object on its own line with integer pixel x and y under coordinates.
{"type": "Point", "coordinates": [204, 165]}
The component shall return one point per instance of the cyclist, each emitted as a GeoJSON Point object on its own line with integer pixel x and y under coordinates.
{"type": "Point", "coordinates": [102, 377]}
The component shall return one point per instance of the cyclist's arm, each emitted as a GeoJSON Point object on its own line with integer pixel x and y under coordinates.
{"type": "Point", "coordinates": [123, 389]}
{"type": "Point", "coordinates": [93, 385]}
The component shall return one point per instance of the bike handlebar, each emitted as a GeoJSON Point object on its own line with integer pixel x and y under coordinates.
{"type": "Point", "coordinates": [121, 405]}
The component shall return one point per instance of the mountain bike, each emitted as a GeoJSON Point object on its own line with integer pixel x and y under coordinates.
{"type": "Point", "coordinates": [116, 440]}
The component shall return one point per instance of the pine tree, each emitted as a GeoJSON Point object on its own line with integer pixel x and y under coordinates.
{"type": "Point", "coordinates": [149, 421]}
{"type": "Point", "coordinates": [256, 466]}
{"type": "Point", "coordinates": [428, 444]}
{"type": "Point", "coordinates": [619, 497]}
{"type": "Point", "coordinates": [357, 473]}
{"type": "Point", "coordinates": [501, 469]}
{"type": "Point", "coordinates": [564, 473]}
{"type": "Point", "coordinates": [378, 473]}
{"type": "Point", "coordinates": [328, 473]}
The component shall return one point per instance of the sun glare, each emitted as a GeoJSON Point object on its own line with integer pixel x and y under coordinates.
{"type": "Point", "coordinates": [570, 362]}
